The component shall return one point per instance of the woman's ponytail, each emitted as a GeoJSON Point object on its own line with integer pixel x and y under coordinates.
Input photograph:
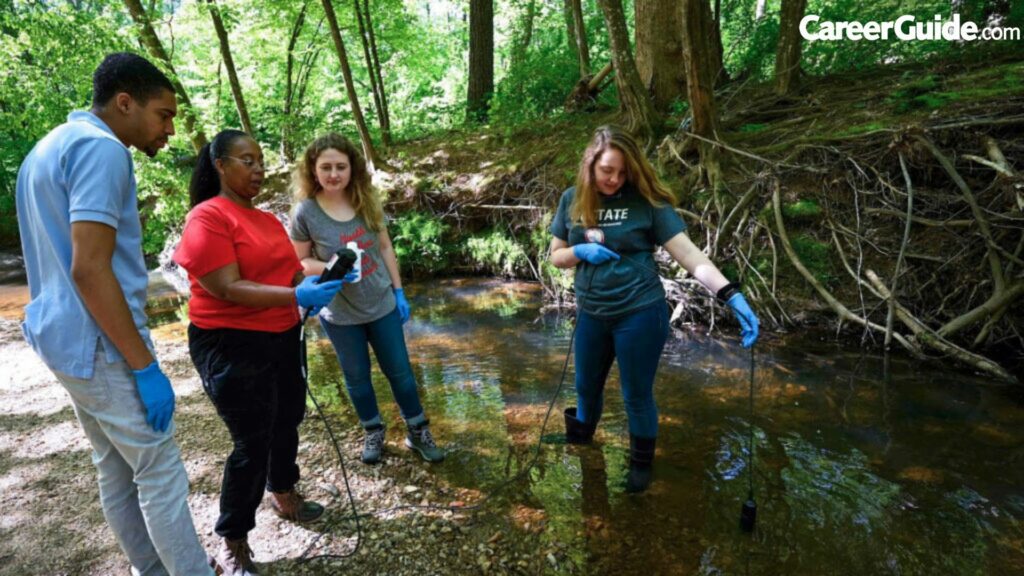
{"type": "Point", "coordinates": [205, 182]}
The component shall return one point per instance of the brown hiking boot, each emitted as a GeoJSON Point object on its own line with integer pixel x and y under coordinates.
{"type": "Point", "coordinates": [235, 559]}
{"type": "Point", "coordinates": [292, 506]}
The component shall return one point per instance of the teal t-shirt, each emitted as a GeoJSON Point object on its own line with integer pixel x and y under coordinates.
{"type": "Point", "coordinates": [632, 228]}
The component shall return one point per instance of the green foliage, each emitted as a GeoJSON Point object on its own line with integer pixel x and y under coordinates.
{"type": "Point", "coordinates": [540, 242]}
{"type": "Point", "coordinates": [679, 106]}
{"type": "Point", "coordinates": [8, 220]}
{"type": "Point", "coordinates": [419, 242]}
{"type": "Point", "coordinates": [49, 53]}
{"type": "Point", "coordinates": [538, 79]}
{"type": "Point", "coordinates": [163, 199]}
{"type": "Point", "coordinates": [181, 313]}
{"type": "Point", "coordinates": [730, 270]}
{"type": "Point", "coordinates": [931, 92]}
{"type": "Point", "coordinates": [802, 210]}
{"type": "Point", "coordinates": [815, 256]}
{"type": "Point", "coordinates": [750, 43]}
{"type": "Point", "coordinates": [917, 94]}
{"type": "Point", "coordinates": [863, 128]}
{"type": "Point", "coordinates": [496, 252]}
{"type": "Point", "coordinates": [51, 48]}
{"type": "Point", "coordinates": [753, 127]}
{"type": "Point", "coordinates": [534, 89]}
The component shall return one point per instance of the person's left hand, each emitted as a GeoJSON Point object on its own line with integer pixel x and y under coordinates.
{"type": "Point", "coordinates": [403, 304]}
{"type": "Point", "coordinates": [156, 394]}
{"type": "Point", "coordinates": [747, 319]}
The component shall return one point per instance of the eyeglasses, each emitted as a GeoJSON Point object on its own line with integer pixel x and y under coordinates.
{"type": "Point", "coordinates": [250, 164]}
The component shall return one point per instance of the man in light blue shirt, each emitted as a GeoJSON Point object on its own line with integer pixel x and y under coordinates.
{"type": "Point", "coordinates": [80, 233]}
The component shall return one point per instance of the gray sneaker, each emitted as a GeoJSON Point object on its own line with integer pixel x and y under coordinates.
{"type": "Point", "coordinates": [373, 444]}
{"type": "Point", "coordinates": [420, 440]}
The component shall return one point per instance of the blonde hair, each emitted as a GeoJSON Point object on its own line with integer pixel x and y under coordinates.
{"type": "Point", "coordinates": [361, 194]}
{"type": "Point", "coordinates": [639, 173]}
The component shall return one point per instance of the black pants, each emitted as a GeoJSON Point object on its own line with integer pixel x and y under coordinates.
{"type": "Point", "coordinates": [255, 381]}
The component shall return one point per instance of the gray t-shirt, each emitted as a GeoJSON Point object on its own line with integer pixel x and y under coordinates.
{"type": "Point", "coordinates": [358, 303]}
{"type": "Point", "coordinates": [632, 228]}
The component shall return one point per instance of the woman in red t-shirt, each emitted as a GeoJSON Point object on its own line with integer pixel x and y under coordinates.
{"type": "Point", "coordinates": [244, 336]}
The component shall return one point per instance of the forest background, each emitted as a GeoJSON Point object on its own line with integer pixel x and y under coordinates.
{"type": "Point", "coordinates": [872, 186]}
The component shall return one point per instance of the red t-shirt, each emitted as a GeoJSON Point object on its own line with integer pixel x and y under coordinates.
{"type": "Point", "coordinates": [219, 232]}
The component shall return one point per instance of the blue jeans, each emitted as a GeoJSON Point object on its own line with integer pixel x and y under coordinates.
{"type": "Point", "coordinates": [388, 341]}
{"type": "Point", "coordinates": [636, 341]}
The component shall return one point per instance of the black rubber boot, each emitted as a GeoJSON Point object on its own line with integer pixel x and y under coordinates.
{"type": "Point", "coordinates": [641, 457]}
{"type": "Point", "coordinates": [577, 432]}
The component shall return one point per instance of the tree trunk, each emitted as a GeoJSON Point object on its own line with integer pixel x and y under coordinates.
{"type": "Point", "coordinates": [229, 63]}
{"type": "Point", "coordinates": [377, 69]}
{"type": "Point", "coordinates": [287, 146]}
{"type": "Point", "coordinates": [759, 10]}
{"type": "Point", "coordinates": [700, 81]}
{"type": "Point", "coordinates": [659, 50]}
{"type": "Point", "coordinates": [309, 59]}
{"type": "Point", "coordinates": [481, 59]}
{"type": "Point", "coordinates": [375, 88]}
{"type": "Point", "coordinates": [570, 27]}
{"type": "Point", "coordinates": [639, 114]}
{"type": "Point", "coordinates": [216, 106]}
{"type": "Point", "coordinates": [586, 91]}
{"type": "Point", "coordinates": [718, 51]}
{"type": "Point", "coordinates": [156, 50]}
{"type": "Point", "coordinates": [580, 37]}
{"type": "Point", "coordinates": [787, 58]}
{"type": "Point", "coordinates": [305, 67]}
{"type": "Point", "coordinates": [357, 113]}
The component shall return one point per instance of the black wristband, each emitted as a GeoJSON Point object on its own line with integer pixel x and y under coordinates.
{"type": "Point", "coordinates": [727, 291]}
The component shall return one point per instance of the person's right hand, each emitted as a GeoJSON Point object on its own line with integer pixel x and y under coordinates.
{"type": "Point", "coordinates": [593, 253]}
{"type": "Point", "coordinates": [314, 296]}
{"type": "Point", "coordinates": [157, 396]}
{"type": "Point", "coordinates": [749, 326]}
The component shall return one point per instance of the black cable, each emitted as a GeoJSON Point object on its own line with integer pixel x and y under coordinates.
{"type": "Point", "coordinates": [334, 442]}
{"type": "Point", "coordinates": [491, 493]}
{"type": "Point", "coordinates": [748, 513]}
{"type": "Point", "coordinates": [750, 431]}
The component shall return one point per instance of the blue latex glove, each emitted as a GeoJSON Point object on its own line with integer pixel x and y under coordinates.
{"type": "Point", "coordinates": [747, 319]}
{"type": "Point", "coordinates": [313, 296]}
{"type": "Point", "coordinates": [593, 253]}
{"type": "Point", "coordinates": [157, 396]}
{"type": "Point", "coordinates": [403, 304]}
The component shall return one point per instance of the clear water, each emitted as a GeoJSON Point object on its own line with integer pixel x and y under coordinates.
{"type": "Point", "coordinates": [861, 467]}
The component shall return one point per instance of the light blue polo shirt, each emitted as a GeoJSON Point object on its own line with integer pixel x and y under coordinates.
{"type": "Point", "coordinates": [78, 172]}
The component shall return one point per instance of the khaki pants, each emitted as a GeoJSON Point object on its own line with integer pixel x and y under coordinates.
{"type": "Point", "coordinates": [143, 485]}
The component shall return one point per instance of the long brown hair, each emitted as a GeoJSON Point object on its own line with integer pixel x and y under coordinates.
{"type": "Point", "coordinates": [639, 173]}
{"type": "Point", "coordinates": [361, 194]}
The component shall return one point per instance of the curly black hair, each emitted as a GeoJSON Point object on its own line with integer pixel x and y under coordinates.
{"type": "Point", "coordinates": [127, 72]}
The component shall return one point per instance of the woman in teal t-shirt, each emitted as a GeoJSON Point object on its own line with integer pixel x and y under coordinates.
{"type": "Point", "coordinates": [608, 227]}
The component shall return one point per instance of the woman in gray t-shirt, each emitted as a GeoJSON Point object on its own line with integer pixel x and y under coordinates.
{"type": "Point", "coordinates": [336, 206]}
